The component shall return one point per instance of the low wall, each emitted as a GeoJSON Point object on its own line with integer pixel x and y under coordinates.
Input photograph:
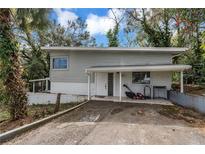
{"type": "Point", "coordinates": [50, 98]}
{"type": "Point", "coordinates": [190, 101]}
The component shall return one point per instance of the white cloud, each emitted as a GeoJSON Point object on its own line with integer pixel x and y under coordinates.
{"type": "Point", "coordinates": [64, 16]}
{"type": "Point", "coordinates": [101, 24]}
{"type": "Point", "coordinates": [98, 25]}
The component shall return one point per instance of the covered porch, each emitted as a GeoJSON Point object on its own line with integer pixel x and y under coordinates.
{"type": "Point", "coordinates": [158, 75]}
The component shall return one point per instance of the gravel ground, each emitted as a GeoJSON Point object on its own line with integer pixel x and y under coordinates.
{"type": "Point", "coordinates": [120, 123]}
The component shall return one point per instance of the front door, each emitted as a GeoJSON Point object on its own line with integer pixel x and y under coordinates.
{"type": "Point", "coordinates": [110, 84]}
{"type": "Point", "coordinates": [101, 83]}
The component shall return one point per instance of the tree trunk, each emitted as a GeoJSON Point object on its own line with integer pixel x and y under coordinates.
{"type": "Point", "coordinates": [15, 88]}
{"type": "Point", "coordinates": [11, 68]}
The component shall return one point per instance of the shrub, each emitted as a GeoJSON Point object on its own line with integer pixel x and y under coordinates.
{"type": "Point", "coordinates": [3, 96]}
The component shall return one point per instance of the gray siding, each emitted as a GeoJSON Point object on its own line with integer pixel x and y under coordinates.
{"type": "Point", "coordinates": [79, 61]}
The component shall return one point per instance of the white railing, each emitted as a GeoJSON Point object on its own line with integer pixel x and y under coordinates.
{"type": "Point", "coordinates": [46, 80]}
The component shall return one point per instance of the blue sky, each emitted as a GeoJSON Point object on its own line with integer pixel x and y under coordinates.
{"type": "Point", "coordinates": [99, 20]}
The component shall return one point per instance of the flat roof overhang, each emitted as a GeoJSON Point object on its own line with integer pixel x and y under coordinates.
{"type": "Point", "coordinates": [137, 68]}
{"type": "Point", "coordinates": [172, 50]}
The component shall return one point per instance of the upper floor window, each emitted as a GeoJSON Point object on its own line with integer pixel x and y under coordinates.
{"type": "Point", "coordinates": [141, 77]}
{"type": "Point", "coordinates": [60, 63]}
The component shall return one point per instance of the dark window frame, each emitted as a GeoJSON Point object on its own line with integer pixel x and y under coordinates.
{"type": "Point", "coordinates": [141, 77]}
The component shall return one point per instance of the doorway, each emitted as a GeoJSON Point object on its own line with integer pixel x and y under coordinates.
{"type": "Point", "coordinates": [110, 84]}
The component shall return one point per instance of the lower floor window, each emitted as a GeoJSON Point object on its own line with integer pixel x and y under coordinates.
{"type": "Point", "coordinates": [141, 77]}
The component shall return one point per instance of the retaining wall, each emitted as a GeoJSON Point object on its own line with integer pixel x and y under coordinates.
{"type": "Point", "coordinates": [50, 98]}
{"type": "Point", "coordinates": [190, 101]}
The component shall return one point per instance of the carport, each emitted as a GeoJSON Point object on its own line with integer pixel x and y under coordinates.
{"type": "Point", "coordinates": [134, 68]}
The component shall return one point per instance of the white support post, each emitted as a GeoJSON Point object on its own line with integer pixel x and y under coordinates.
{"type": "Point", "coordinates": [120, 86]}
{"type": "Point", "coordinates": [181, 82]}
{"type": "Point", "coordinates": [88, 86]}
{"type": "Point", "coordinates": [95, 83]}
{"type": "Point", "coordinates": [46, 85]}
{"type": "Point", "coordinates": [33, 86]}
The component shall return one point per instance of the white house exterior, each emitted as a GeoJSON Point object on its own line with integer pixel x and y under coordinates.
{"type": "Point", "coordinates": [103, 71]}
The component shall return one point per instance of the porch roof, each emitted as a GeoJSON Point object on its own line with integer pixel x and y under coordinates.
{"type": "Point", "coordinates": [140, 68]}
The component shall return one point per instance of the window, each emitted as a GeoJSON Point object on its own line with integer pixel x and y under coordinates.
{"type": "Point", "coordinates": [60, 63]}
{"type": "Point", "coordinates": [141, 77]}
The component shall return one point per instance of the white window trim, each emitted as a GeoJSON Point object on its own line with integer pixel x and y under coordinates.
{"type": "Point", "coordinates": [141, 83]}
{"type": "Point", "coordinates": [60, 69]}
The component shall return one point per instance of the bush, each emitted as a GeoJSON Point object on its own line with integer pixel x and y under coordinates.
{"type": "Point", "coordinates": [3, 96]}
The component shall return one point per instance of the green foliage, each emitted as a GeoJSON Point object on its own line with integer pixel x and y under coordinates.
{"type": "Point", "coordinates": [153, 26]}
{"type": "Point", "coordinates": [203, 43]}
{"type": "Point", "coordinates": [172, 28]}
{"type": "Point", "coordinates": [192, 21]}
{"type": "Point", "coordinates": [3, 96]}
{"type": "Point", "coordinates": [38, 66]}
{"type": "Point", "coordinates": [32, 19]}
{"type": "Point", "coordinates": [112, 36]}
{"type": "Point", "coordinates": [31, 26]}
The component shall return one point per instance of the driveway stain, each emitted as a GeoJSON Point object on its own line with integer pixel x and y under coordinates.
{"type": "Point", "coordinates": [116, 110]}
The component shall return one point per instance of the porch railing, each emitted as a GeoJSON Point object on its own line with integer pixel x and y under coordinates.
{"type": "Point", "coordinates": [39, 85]}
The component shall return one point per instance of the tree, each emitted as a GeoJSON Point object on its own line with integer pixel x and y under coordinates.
{"type": "Point", "coordinates": [31, 25]}
{"type": "Point", "coordinates": [21, 26]}
{"type": "Point", "coordinates": [11, 72]}
{"type": "Point", "coordinates": [153, 26]}
{"type": "Point", "coordinates": [112, 34]}
{"type": "Point", "coordinates": [171, 27]}
{"type": "Point", "coordinates": [191, 23]}
{"type": "Point", "coordinates": [72, 35]}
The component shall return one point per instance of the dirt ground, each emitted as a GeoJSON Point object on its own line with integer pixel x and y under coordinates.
{"type": "Point", "coordinates": [120, 123]}
{"type": "Point", "coordinates": [35, 112]}
{"type": "Point", "coordinates": [191, 89]}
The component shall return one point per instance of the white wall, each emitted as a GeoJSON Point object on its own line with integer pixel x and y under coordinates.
{"type": "Point", "coordinates": [100, 86]}
{"type": "Point", "coordinates": [157, 79]}
{"type": "Point", "coordinates": [71, 88]}
{"type": "Point", "coordinates": [81, 60]}
{"type": "Point", "coordinates": [127, 79]}
{"type": "Point", "coordinates": [161, 79]}
{"type": "Point", "coordinates": [50, 98]}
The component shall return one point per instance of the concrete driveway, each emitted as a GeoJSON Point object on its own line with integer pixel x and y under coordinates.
{"type": "Point", "coordinates": [120, 123]}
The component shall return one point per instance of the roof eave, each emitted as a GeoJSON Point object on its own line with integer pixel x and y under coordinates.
{"type": "Point", "coordinates": [140, 68]}
{"type": "Point", "coordinates": [142, 49]}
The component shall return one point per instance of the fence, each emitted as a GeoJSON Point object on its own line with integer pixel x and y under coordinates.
{"type": "Point", "coordinates": [190, 101]}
